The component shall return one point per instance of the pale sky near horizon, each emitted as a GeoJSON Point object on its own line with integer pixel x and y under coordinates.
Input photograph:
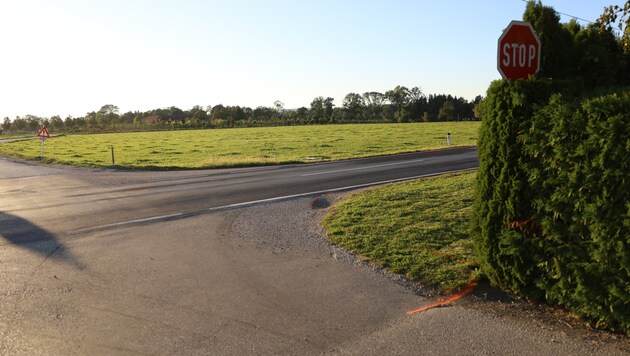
{"type": "Point", "coordinates": [70, 57]}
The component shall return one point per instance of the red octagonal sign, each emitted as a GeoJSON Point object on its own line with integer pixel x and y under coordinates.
{"type": "Point", "coordinates": [519, 51]}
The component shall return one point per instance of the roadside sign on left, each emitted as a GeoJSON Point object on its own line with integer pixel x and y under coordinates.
{"type": "Point", "coordinates": [43, 135]}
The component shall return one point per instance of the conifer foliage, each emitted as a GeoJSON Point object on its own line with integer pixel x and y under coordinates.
{"type": "Point", "coordinates": [552, 211]}
{"type": "Point", "coordinates": [551, 218]}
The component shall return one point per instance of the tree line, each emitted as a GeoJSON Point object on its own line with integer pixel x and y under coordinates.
{"type": "Point", "coordinates": [400, 104]}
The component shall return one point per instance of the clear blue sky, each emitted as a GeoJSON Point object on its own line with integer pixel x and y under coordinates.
{"type": "Point", "coordinates": [69, 57]}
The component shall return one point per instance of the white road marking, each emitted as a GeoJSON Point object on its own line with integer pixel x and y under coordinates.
{"type": "Point", "coordinates": [261, 201]}
{"type": "Point", "coordinates": [129, 222]}
{"type": "Point", "coordinates": [362, 168]}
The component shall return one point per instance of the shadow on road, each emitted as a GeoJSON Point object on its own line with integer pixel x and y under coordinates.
{"type": "Point", "coordinates": [21, 232]}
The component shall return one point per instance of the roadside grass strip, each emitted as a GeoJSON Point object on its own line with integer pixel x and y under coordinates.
{"type": "Point", "coordinates": [242, 147]}
{"type": "Point", "coordinates": [419, 229]}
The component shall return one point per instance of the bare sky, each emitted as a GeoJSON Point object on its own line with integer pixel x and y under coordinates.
{"type": "Point", "coordinates": [69, 57]}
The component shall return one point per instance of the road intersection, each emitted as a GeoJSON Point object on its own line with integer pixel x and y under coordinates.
{"type": "Point", "coordinates": [224, 262]}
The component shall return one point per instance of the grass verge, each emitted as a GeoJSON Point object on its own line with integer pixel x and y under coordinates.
{"type": "Point", "coordinates": [417, 228]}
{"type": "Point", "coordinates": [194, 149]}
{"type": "Point", "coordinates": [6, 137]}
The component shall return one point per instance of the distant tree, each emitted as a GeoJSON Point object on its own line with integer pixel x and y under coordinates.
{"type": "Point", "coordinates": [19, 123]}
{"type": "Point", "coordinates": [338, 115]}
{"type": "Point", "coordinates": [247, 112]}
{"type": "Point", "coordinates": [353, 101]}
{"type": "Point", "coordinates": [158, 112]}
{"type": "Point", "coordinates": [107, 115]}
{"type": "Point", "coordinates": [353, 105]}
{"type": "Point", "coordinates": [374, 102]}
{"type": "Point", "coordinates": [81, 123]}
{"type": "Point", "coordinates": [69, 124]}
{"type": "Point", "coordinates": [198, 114]}
{"type": "Point", "coordinates": [174, 110]}
{"type": "Point", "coordinates": [6, 124]}
{"type": "Point", "coordinates": [56, 123]}
{"type": "Point", "coordinates": [108, 109]}
{"type": "Point", "coordinates": [234, 114]}
{"type": "Point", "coordinates": [417, 103]}
{"type": "Point", "coordinates": [386, 113]}
{"type": "Point", "coordinates": [302, 112]}
{"type": "Point", "coordinates": [435, 103]}
{"type": "Point", "coordinates": [218, 112]}
{"type": "Point", "coordinates": [317, 111]}
{"type": "Point", "coordinates": [447, 111]}
{"type": "Point", "coordinates": [102, 120]}
{"type": "Point", "coordinates": [263, 114]}
{"type": "Point", "coordinates": [322, 109]}
{"type": "Point", "coordinates": [373, 98]}
{"type": "Point", "coordinates": [33, 123]}
{"type": "Point", "coordinates": [128, 117]}
{"type": "Point", "coordinates": [91, 121]}
{"type": "Point", "coordinates": [415, 94]}
{"type": "Point", "coordinates": [137, 120]}
{"type": "Point", "coordinates": [400, 98]}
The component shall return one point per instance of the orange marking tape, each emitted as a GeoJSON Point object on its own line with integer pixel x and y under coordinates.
{"type": "Point", "coordinates": [469, 288]}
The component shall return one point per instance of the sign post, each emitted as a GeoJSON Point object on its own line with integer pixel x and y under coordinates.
{"type": "Point", "coordinates": [43, 135]}
{"type": "Point", "coordinates": [519, 51]}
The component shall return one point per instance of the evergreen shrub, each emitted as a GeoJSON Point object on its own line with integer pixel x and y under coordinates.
{"type": "Point", "coordinates": [552, 209]}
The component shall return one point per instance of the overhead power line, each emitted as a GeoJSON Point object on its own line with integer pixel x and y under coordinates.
{"type": "Point", "coordinates": [565, 14]}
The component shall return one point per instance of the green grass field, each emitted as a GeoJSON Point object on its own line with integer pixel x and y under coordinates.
{"type": "Point", "coordinates": [194, 149]}
{"type": "Point", "coordinates": [418, 228]}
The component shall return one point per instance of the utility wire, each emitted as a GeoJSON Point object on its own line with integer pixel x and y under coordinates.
{"type": "Point", "coordinates": [565, 14]}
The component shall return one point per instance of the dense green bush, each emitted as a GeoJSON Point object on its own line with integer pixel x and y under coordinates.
{"type": "Point", "coordinates": [552, 211]}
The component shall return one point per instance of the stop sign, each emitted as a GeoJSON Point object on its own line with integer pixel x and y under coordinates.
{"type": "Point", "coordinates": [519, 51]}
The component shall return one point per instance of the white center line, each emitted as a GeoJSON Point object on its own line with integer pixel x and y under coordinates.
{"type": "Point", "coordinates": [362, 168]}
{"type": "Point", "coordinates": [261, 201]}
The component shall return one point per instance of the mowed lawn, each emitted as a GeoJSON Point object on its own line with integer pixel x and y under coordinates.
{"type": "Point", "coordinates": [419, 229]}
{"type": "Point", "coordinates": [215, 148]}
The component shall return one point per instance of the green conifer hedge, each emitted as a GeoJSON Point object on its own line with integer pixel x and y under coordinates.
{"type": "Point", "coordinates": [552, 210]}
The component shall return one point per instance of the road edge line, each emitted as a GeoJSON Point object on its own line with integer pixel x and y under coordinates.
{"type": "Point", "coordinates": [261, 201]}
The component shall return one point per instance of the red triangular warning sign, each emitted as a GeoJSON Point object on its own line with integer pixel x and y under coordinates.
{"type": "Point", "coordinates": [43, 133]}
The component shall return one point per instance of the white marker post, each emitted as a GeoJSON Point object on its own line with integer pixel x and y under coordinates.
{"type": "Point", "coordinates": [448, 139]}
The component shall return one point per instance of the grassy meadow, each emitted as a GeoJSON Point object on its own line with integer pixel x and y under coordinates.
{"type": "Point", "coordinates": [417, 228]}
{"type": "Point", "coordinates": [195, 149]}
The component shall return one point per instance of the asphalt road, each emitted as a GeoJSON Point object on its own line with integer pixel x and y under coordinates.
{"type": "Point", "coordinates": [65, 199]}
{"type": "Point", "coordinates": [228, 262]}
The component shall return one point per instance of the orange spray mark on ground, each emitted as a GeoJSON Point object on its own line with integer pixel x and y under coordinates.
{"type": "Point", "coordinates": [469, 288]}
